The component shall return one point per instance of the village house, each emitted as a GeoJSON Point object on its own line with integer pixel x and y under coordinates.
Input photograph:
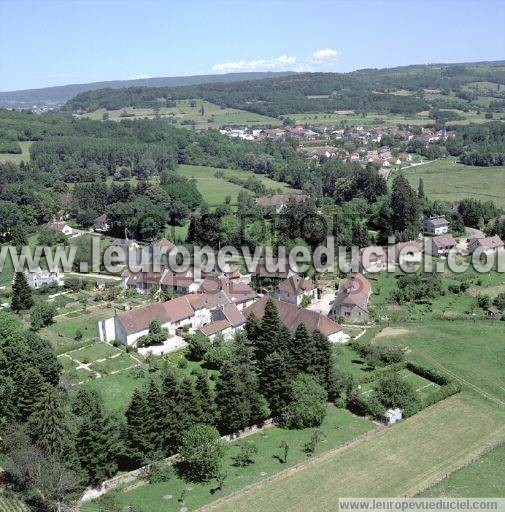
{"type": "Point", "coordinates": [180, 282]}
{"type": "Point", "coordinates": [292, 316]}
{"type": "Point", "coordinates": [296, 289]}
{"type": "Point", "coordinates": [370, 259]}
{"type": "Point", "coordinates": [487, 245]}
{"type": "Point", "coordinates": [101, 223]}
{"type": "Point", "coordinates": [440, 245]}
{"type": "Point", "coordinates": [409, 252]}
{"type": "Point", "coordinates": [60, 228]}
{"type": "Point", "coordinates": [435, 225]}
{"type": "Point", "coordinates": [279, 201]}
{"type": "Point", "coordinates": [239, 293]}
{"type": "Point", "coordinates": [126, 251]}
{"type": "Point", "coordinates": [275, 269]}
{"type": "Point", "coordinates": [352, 299]}
{"type": "Point", "coordinates": [38, 278]}
{"type": "Point", "coordinates": [189, 313]}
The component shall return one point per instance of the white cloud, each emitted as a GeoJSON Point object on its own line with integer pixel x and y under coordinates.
{"type": "Point", "coordinates": [139, 77]}
{"type": "Point", "coordinates": [282, 63]}
{"type": "Point", "coordinates": [322, 55]}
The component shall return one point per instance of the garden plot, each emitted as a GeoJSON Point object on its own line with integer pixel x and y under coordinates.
{"type": "Point", "coordinates": [95, 361]}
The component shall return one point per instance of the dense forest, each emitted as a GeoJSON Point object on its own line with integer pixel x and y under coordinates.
{"type": "Point", "coordinates": [364, 91]}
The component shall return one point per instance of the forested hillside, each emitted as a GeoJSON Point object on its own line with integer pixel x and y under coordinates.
{"type": "Point", "coordinates": [395, 90]}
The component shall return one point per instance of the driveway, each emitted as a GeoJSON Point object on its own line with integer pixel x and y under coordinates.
{"type": "Point", "coordinates": [323, 304]}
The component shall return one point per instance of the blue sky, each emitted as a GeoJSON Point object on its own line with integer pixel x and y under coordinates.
{"type": "Point", "coordinates": [48, 42]}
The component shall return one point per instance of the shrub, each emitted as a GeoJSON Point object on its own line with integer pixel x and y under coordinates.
{"type": "Point", "coordinates": [393, 391]}
{"type": "Point", "coordinates": [307, 407]}
{"type": "Point", "coordinates": [199, 345]}
{"type": "Point", "coordinates": [160, 473]}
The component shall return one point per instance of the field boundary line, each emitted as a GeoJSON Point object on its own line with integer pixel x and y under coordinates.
{"type": "Point", "coordinates": [295, 467]}
{"type": "Point", "coordinates": [473, 456]}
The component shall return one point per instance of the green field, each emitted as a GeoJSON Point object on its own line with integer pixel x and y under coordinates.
{"type": "Point", "coordinates": [62, 333]}
{"type": "Point", "coordinates": [353, 119]}
{"type": "Point", "coordinates": [24, 155]}
{"type": "Point", "coordinates": [469, 352]}
{"type": "Point", "coordinates": [447, 180]}
{"type": "Point", "coordinates": [10, 503]}
{"type": "Point", "coordinates": [339, 427]}
{"type": "Point", "coordinates": [398, 461]}
{"type": "Point", "coordinates": [482, 478]}
{"type": "Point", "coordinates": [214, 115]}
{"type": "Point", "coordinates": [215, 190]}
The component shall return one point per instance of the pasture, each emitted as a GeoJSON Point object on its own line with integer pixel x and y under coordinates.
{"type": "Point", "coordinates": [482, 478]}
{"type": "Point", "coordinates": [418, 452]}
{"type": "Point", "coordinates": [470, 352]}
{"type": "Point", "coordinates": [17, 158]}
{"type": "Point", "coordinates": [215, 190]}
{"type": "Point", "coordinates": [447, 180]}
{"type": "Point", "coordinates": [185, 114]}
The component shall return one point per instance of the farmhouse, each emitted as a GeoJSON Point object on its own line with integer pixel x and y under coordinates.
{"type": "Point", "coordinates": [38, 277]}
{"type": "Point", "coordinates": [240, 294]}
{"type": "Point", "coordinates": [440, 245]}
{"type": "Point", "coordinates": [60, 228]}
{"type": "Point", "coordinates": [352, 299]}
{"type": "Point", "coordinates": [494, 312]}
{"type": "Point", "coordinates": [279, 201]}
{"type": "Point", "coordinates": [369, 259]}
{"type": "Point", "coordinates": [190, 312]}
{"type": "Point", "coordinates": [406, 252]}
{"type": "Point", "coordinates": [435, 225]}
{"type": "Point", "coordinates": [295, 289]}
{"type": "Point", "coordinates": [292, 316]}
{"type": "Point", "coordinates": [487, 245]}
{"type": "Point", "coordinates": [143, 281]}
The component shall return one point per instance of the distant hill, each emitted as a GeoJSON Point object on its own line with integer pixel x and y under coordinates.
{"type": "Point", "coordinates": [58, 95]}
{"type": "Point", "coordinates": [391, 90]}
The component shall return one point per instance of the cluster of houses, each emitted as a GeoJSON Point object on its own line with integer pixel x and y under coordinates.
{"type": "Point", "coordinates": [214, 304]}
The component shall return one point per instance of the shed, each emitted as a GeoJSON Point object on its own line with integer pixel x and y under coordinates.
{"type": "Point", "coordinates": [393, 415]}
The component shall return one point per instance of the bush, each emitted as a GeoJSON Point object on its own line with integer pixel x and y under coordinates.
{"type": "Point", "coordinates": [199, 345]}
{"type": "Point", "coordinates": [307, 407]}
{"type": "Point", "coordinates": [429, 374]}
{"type": "Point", "coordinates": [201, 452]}
{"type": "Point", "coordinates": [393, 391]}
{"type": "Point", "coordinates": [160, 473]}
{"type": "Point", "coordinates": [367, 406]}
{"type": "Point", "coordinates": [42, 315]}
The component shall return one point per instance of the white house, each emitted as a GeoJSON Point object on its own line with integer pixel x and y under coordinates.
{"type": "Point", "coordinates": [38, 277]}
{"type": "Point", "coordinates": [189, 312]}
{"type": "Point", "coordinates": [435, 225]}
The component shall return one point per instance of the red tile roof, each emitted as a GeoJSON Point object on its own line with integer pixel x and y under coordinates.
{"type": "Point", "coordinates": [292, 316]}
{"type": "Point", "coordinates": [297, 285]}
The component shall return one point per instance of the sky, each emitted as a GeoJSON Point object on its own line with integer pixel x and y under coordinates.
{"type": "Point", "coordinates": [49, 42]}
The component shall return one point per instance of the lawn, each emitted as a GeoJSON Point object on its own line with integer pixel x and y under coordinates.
{"type": "Point", "coordinates": [213, 115]}
{"type": "Point", "coordinates": [399, 461]}
{"type": "Point", "coordinates": [482, 478]}
{"type": "Point", "coordinates": [471, 352]}
{"type": "Point", "coordinates": [114, 364]}
{"type": "Point", "coordinates": [17, 158]}
{"type": "Point", "coordinates": [215, 190]}
{"type": "Point", "coordinates": [117, 390]}
{"type": "Point", "coordinates": [353, 119]}
{"type": "Point", "coordinates": [10, 503]}
{"type": "Point", "coordinates": [447, 180]}
{"type": "Point", "coordinates": [62, 333]}
{"type": "Point", "coordinates": [339, 427]}
{"type": "Point", "coordinates": [93, 352]}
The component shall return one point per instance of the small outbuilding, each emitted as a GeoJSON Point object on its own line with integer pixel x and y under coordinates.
{"type": "Point", "coordinates": [393, 415]}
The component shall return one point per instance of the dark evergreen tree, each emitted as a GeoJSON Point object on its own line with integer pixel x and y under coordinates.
{"type": "Point", "coordinates": [30, 387]}
{"type": "Point", "coordinates": [301, 353]}
{"type": "Point", "coordinates": [98, 446]}
{"type": "Point", "coordinates": [21, 293]}
{"type": "Point", "coordinates": [49, 426]}
{"type": "Point", "coordinates": [189, 406]}
{"type": "Point", "coordinates": [205, 398]}
{"type": "Point", "coordinates": [420, 190]}
{"type": "Point", "coordinates": [404, 204]}
{"type": "Point", "coordinates": [172, 410]}
{"type": "Point", "coordinates": [322, 365]}
{"type": "Point", "coordinates": [154, 422]}
{"type": "Point", "coordinates": [136, 439]}
{"type": "Point", "coordinates": [268, 334]}
{"type": "Point", "coordinates": [275, 381]}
